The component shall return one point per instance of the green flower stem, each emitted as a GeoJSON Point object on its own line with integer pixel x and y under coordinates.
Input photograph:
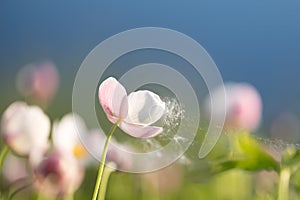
{"type": "Point", "coordinates": [3, 154]}
{"type": "Point", "coordinates": [106, 174]}
{"type": "Point", "coordinates": [102, 163]}
{"type": "Point", "coordinates": [284, 180]}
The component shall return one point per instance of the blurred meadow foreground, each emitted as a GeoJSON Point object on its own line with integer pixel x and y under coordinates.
{"type": "Point", "coordinates": [45, 158]}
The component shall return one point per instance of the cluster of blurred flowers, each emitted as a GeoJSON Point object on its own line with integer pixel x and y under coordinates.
{"type": "Point", "coordinates": [54, 162]}
{"type": "Point", "coordinates": [55, 167]}
{"type": "Point", "coordinates": [52, 156]}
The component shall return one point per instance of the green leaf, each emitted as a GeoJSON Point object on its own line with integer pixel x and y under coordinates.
{"type": "Point", "coordinates": [291, 159]}
{"type": "Point", "coordinates": [252, 155]}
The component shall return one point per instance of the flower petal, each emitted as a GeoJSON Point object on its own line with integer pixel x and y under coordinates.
{"type": "Point", "coordinates": [145, 107]}
{"type": "Point", "coordinates": [113, 98]}
{"type": "Point", "coordinates": [140, 131]}
{"type": "Point", "coordinates": [66, 132]}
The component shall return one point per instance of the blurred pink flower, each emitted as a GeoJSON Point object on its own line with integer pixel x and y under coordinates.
{"type": "Point", "coordinates": [38, 81]}
{"type": "Point", "coordinates": [25, 128]}
{"type": "Point", "coordinates": [243, 106]}
{"type": "Point", "coordinates": [135, 112]}
{"type": "Point", "coordinates": [57, 174]}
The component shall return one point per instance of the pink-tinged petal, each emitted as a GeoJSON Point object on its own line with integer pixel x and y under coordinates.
{"type": "Point", "coordinates": [113, 98]}
{"type": "Point", "coordinates": [112, 119]}
{"type": "Point", "coordinates": [145, 107]}
{"type": "Point", "coordinates": [245, 106]}
{"type": "Point", "coordinates": [140, 131]}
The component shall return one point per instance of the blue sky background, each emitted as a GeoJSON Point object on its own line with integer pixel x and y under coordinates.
{"type": "Point", "coordinates": [252, 41]}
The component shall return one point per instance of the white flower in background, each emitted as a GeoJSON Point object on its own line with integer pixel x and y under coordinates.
{"type": "Point", "coordinates": [57, 174]}
{"type": "Point", "coordinates": [135, 112]}
{"type": "Point", "coordinates": [67, 133]}
{"type": "Point", "coordinates": [25, 128]}
{"type": "Point", "coordinates": [65, 136]}
{"type": "Point", "coordinates": [243, 106]}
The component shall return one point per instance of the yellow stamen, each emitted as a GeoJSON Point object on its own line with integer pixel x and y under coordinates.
{"type": "Point", "coordinates": [79, 151]}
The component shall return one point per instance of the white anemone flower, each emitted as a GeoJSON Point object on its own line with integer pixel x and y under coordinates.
{"type": "Point", "coordinates": [25, 128]}
{"type": "Point", "coordinates": [134, 113]}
